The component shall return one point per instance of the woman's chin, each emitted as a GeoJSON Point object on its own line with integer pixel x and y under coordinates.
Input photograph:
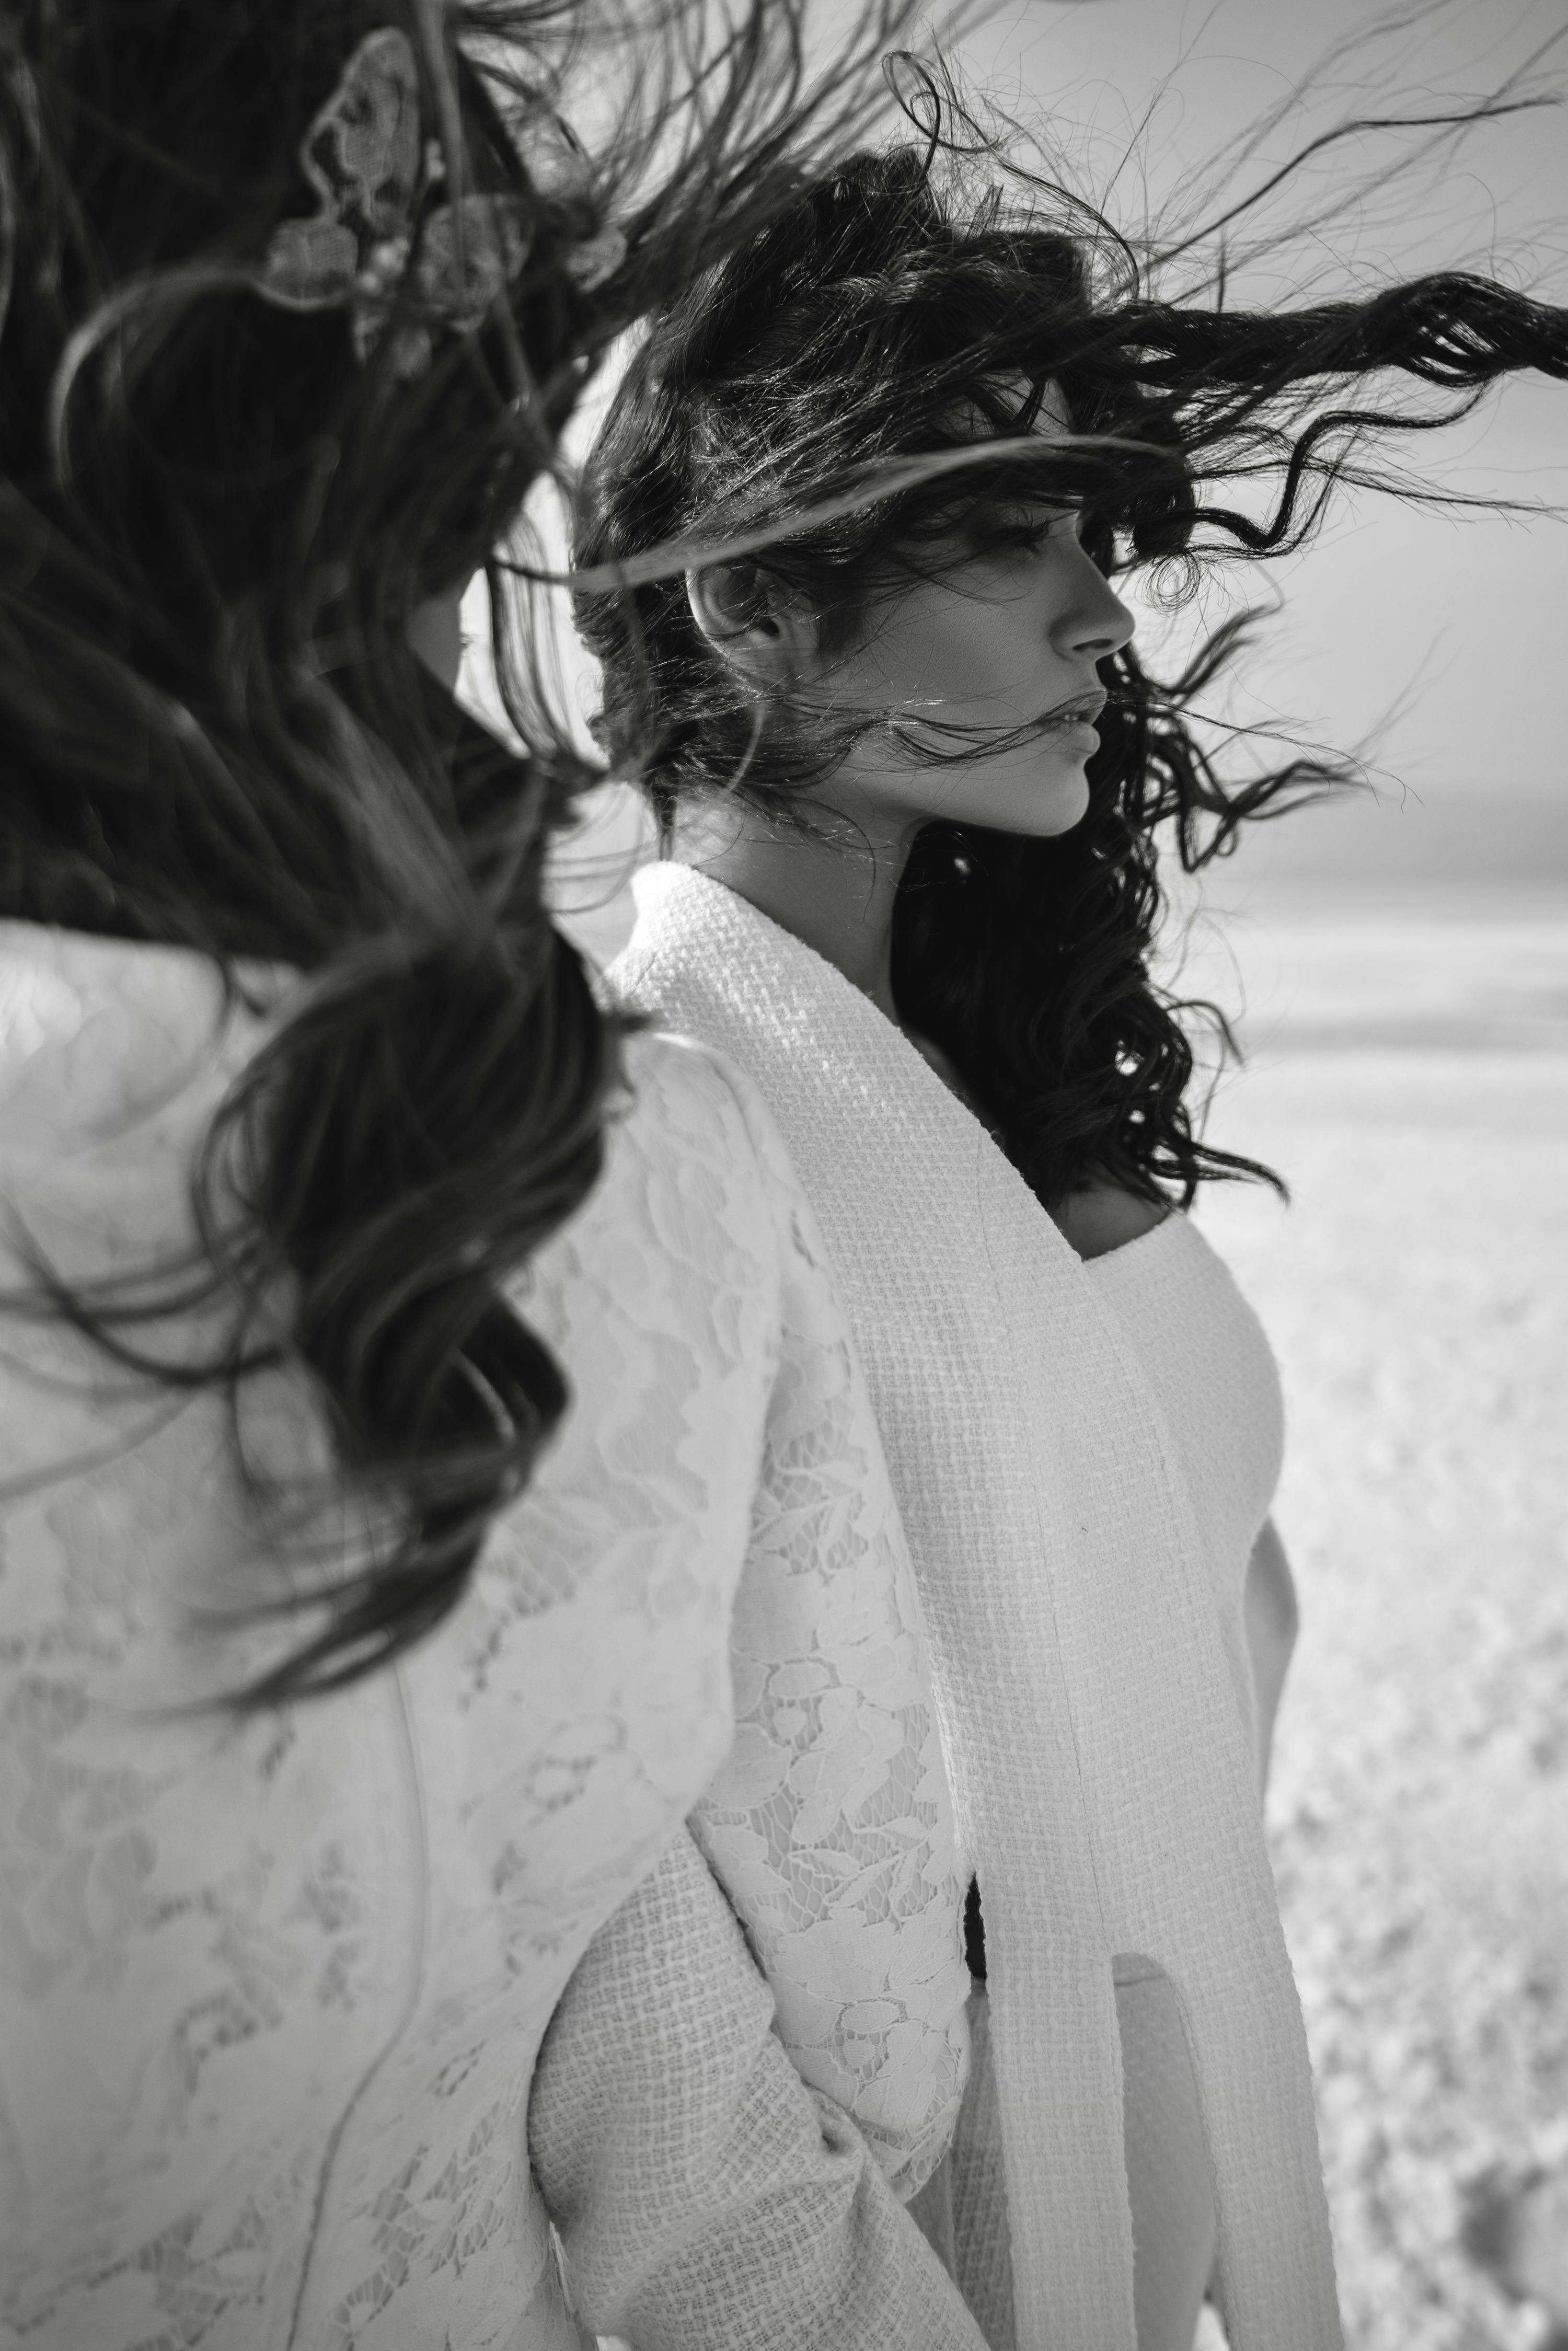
{"type": "Point", "coordinates": [1036, 803]}
{"type": "Point", "coordinates": [1039, 806]}
{"type": "Point", "coordinates": [1069, 804]}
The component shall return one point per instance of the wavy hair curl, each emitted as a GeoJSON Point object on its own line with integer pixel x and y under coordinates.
{"type": "Point", "coordinates": [896, 303]}
{"type": "Point", "coordinates": [216, 524]}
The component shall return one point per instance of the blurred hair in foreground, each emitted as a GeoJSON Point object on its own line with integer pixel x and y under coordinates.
{"type": "Point", "coordinates": [218, 512]}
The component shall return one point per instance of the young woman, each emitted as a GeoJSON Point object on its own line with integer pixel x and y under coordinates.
{"type": "Point", "coordinates": [384, 1429]}
{"type": "Point", "coordinates": [910, 769]}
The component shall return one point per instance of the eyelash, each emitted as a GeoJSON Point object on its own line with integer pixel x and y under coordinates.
{"type": "Point", "coordinates": [1030, 538]}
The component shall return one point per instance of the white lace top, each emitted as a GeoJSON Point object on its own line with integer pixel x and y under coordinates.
{"type": "Point", "coordinates": [1207, 1358]}
{"type": "Point", "coordinates": [271, 1989]}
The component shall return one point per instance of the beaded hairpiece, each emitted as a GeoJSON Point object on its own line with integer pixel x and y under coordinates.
{"type": "Point", "coordinates": [376, 237]}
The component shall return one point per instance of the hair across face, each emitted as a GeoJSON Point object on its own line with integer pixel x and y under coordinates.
{"type": "Point", "coordinates": [896, 313]}
{"type": "Point", "coordinates": [975, 672]}
{"type": "Point", "coordinates": [981, 667]}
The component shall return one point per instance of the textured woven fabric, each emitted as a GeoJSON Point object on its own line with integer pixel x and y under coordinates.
{"type": "Point", "coordinates": [963, 2210]}
{"type": "Point", "coordinates": [981, 2240]}
{"type": "Point", "coordinates": [271, 1992]}
{"type": "Point", "coordinates": [752, 2217]}
{"type": "Point", "coordinates": [831, 1827]}
{"type": "Point", "coordinates": [1209, 1362]}
{"type": "Point", "coordinates": [829, 1823]}
{"type": "Point", "coordinates": [1101, 1763]}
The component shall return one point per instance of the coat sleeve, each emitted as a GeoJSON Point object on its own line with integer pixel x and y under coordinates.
{"type": "Point", "coordinates": [703, 2194]}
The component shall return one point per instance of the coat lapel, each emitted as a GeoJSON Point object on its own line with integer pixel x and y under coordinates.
{"type": "Point", "coordinates": [1101, 1777]}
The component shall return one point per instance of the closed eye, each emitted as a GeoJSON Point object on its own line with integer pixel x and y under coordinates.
{"type": "Point", "coordinates": [1027, 537]}
{"type": "Point", "coordinates": [1031, 528]}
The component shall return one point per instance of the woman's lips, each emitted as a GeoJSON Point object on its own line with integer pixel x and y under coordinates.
{"type": "Point", "coordinates": [1075, 721]}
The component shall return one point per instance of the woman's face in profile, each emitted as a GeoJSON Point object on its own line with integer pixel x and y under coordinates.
{"type": "Point", "coordinates": [994, 657]}
{"type": "Point", "coordinates": [435, 633]}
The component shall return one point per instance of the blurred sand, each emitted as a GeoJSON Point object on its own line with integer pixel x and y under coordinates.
{"type": "Point", "coordinates": [1411, 1081]}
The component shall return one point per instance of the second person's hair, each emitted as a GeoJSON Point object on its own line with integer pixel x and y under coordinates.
{"type": "Point", "coordinates": [218, 510]}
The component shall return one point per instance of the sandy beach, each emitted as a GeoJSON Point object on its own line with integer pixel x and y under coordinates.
{"type": "Point", "coordinates": [1410, 1078]}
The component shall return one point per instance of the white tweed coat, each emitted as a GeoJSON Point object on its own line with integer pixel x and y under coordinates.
{"type": "Point", "coordinates": [1101, 1769]}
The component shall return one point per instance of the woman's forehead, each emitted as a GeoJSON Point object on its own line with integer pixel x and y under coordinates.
{"type": "Point", "coordinates": [1052, 418]}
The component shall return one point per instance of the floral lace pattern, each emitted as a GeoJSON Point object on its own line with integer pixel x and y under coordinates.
{"type": "Point", "coordinates": [1106, 1788]}
{"type": "Point", "coordinates": [830, 1824]}
{"type": "Point", "coordinates": [271, 1990]}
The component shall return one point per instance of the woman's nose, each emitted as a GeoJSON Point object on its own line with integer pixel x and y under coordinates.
{"type": "Point", "coordinates": [1095, 623]}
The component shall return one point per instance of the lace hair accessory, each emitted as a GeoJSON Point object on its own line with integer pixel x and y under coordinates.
{"type": "Point", "coordinates": [378, 238]}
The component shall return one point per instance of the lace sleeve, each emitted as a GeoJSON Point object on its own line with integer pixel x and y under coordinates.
{"type": "Point", "coordinates": [830, 1825]}
{"type": "Point", "coordinates": [744, 2213]}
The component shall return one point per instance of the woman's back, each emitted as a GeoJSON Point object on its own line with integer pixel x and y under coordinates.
{"type": "Point", "coordinates": [273, 1985]}
{"type": "Point", "coordinates": [299, 303]}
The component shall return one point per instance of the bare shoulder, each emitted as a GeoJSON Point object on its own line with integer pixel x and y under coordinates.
{"type": "Point", "coordinates": [1094, 1220]}
{"type": "Point", "coordinates": [1101, 1218]}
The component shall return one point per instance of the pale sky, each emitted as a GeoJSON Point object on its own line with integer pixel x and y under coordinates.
{"type": "Point", "coordinates": [1458, 622]}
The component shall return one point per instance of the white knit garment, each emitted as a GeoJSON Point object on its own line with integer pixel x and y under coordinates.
{"type": "Point", "coordinates": [1100, 1764]}
{"type": "Point", "coordinates": [743, 2217]}
{"type": "Point", "coordinates": [1205, 1354]}
{"type": "Point", "coordinates": [271, 1991]}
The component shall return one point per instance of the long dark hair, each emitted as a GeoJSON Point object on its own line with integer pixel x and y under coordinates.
{"type": "Point", "coordinates": [217, 513]}
{"type": "Point", "coordinates": [895, 303]}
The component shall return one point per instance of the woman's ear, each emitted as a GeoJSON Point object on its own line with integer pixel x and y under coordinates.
{"type": "Point", "coordinates": [751, 622]}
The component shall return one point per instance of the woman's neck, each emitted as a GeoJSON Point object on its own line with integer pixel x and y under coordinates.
{"type": "Point", "coordinates": [835, 893]}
